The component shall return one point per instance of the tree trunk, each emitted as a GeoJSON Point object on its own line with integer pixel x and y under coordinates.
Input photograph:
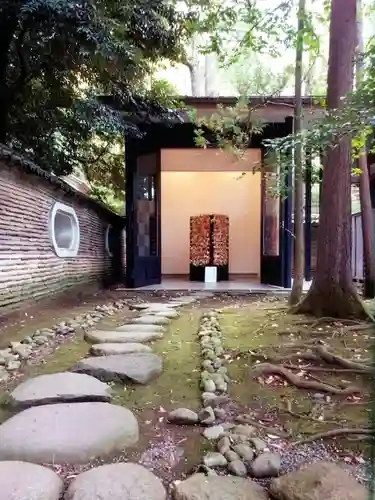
{"type": "Point", "coordinates": [194, 80]}
{"type": "Point", "coordinates": [299, 251]}
{"type": "Point", "coordinates": [332, 292]}
{"type": "Point", "coordinates": [364, 181]}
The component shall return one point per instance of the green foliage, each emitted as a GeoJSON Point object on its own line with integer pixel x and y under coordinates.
{"type": "Point", "coordinates": [56, 56]}
{"type": "Point", "coordinates": [250, 76]}
{"type": "Point", "coordinates": [232, 128]}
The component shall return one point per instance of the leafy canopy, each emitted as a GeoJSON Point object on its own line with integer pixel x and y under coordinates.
{"type": "Point", "coordinates": [56, 56]}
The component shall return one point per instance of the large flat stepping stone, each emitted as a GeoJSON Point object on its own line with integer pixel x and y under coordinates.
{"type": "Point", "coordinates": [25, 481]}
{"type": "Point", "coordinates": [127, 348]}
{"type": "Point", "coordinates": [155, 305]}
{"type": "Point", "coordinates": [170, 314]}
{"type": "Point", "coordinates": [151, 319]}
{"type": "Point", "coordinates": [202, 487]}
{"type": "Point", "coordinates": [183, 300]}
{"type": "Point", "coordinates": [74, 433]}
{"type": "Point", "coordinates": [118, 336]}
{"type": "Point", "coordinates": [138, 367]}
{"type": "Point", "coordinates": [319, 481]}
{"type": "Point", "coordinates": [60, 388]}
{"type": "Point", "coordinates": [120, 481]}
{"type": "Point", "coordinates": [127, 327]}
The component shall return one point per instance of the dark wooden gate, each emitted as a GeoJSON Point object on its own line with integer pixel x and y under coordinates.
{"type": "Point", "coordinates": [143, 255]}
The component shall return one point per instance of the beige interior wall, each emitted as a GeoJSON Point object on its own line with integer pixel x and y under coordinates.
{"type": "Point", "coordinates": [187, 193]}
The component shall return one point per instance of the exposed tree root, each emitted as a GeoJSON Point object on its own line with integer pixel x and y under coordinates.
{"type": "Point", "coordinates": [334, 433]}
{"type": "Point", "coordinates": [359, 328]}
{"type": "Point", "coordinates": [306, 356]}
{"type": "Point", "coordinates": [300, 383]}
{"type": "Point", "coordinates": [246, 419]}
{"type": "Point", "coordinates": [330, 358]}
{"type": "Point", "coordinates": [324, 369]}
{"type": "Point", "coordinates": [321, 355]}
{"type": "Point", "coordinates": [313, 322]}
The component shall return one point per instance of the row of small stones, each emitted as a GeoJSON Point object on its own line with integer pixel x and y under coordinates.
{"type": "Point", "coordinates": [11, 358]}
{"type": "Point", "coordinates": [239, 451]}
{"type": "Point", "coordinates": [213, 379]}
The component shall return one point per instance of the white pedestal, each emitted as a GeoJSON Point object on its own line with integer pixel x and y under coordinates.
{"type": "Point", "coordinates": [210, 274]}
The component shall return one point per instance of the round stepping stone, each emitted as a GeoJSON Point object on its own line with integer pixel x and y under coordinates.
{"type": "Point", "coordinates": [120, 481]}
{"type": "Point", "coordinates": [127, 348]}
{"type": "Point", "coordinates": [60, 388]}
{"type": "Point", "coordinates": [67, 433]}
{"type": "Point", "coordinates": [150, 319]}
{"type": "Point", "coordinates": [138, 367]}
{"type": "Point", "coordinates": [25, 481]}
{"type": "Point", "coordinates": [120, 337]}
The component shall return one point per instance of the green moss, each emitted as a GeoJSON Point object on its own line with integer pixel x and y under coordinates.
{"type": "Point", "coordinates": [62, 359]}
{"type": "Point", "coordinates": [178, 385]}
{"type": "Point", "coordinates": [254, 330]}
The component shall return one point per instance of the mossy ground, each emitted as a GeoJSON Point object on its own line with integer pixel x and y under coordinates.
{"type": "Point", "coordinates": [249, 327]}
{"type": "Point", "coordinates": [260, 329]}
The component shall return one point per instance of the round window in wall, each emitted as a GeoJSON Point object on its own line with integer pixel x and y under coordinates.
{"type": "Point", "coordinates": [64, 230]}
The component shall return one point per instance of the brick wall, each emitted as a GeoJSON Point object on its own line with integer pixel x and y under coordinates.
{"type": "Point", "coordinates": [29, 266]}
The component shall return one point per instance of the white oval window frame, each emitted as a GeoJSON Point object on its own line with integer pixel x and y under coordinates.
{"type": "Point", "coordinates": [106, 240]}
{"type": "Point", "coordinates": [64, 252]}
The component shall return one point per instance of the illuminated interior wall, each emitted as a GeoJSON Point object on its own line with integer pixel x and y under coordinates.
{"type": "Point", "coordinates": [218, 187]}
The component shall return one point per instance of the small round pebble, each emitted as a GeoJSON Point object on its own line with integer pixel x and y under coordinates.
{"type": "Point", "coordinates": [237, 468]}
{"type": "Point", "coordinates": [213, 432]}
{"type": "Point", "coordinates": [231, 456]}
{"type": "Point", "coordinates": [223, 445]}
{"type": "Point", "coordinates": [244, 451]}
{"type": "Point", "coordinates": [214, 459]}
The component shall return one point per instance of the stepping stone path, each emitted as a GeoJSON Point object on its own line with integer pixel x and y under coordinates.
{"type": "Point", "coordinates": [67, 433]}
{"type": "Point", "coordinates": [120, 355]}
{"type": "Point", "coordinates": [68, 417]}
{"type": "Point", "coordinates": [137, 367]}
{"type": "Point", "coordinates": [121, 481]}
{"type": "Point", "coordinates": [25, 481]}
{"type": "Point", "coordinates": [58, 388]}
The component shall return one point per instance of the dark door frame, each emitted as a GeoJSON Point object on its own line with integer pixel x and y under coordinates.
{"type": "Point", "coordinates": [276, 270]}
{"type": "Point", "coordinates": [140, 270]}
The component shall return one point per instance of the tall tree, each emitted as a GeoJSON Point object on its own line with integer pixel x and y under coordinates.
{"type": "Point", "coordinates": [298, 254]}
{"type": "Point", "coordinates": [332, 292]}
{"type": "Point", "coordinates": [364, 180]}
